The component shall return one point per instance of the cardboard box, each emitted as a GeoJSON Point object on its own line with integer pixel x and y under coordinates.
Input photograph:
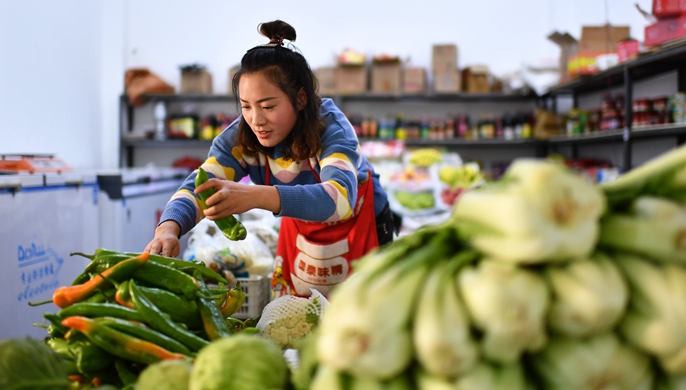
{"type": "Point", "coordinates": [447, 81]}
{"type": "Point", "coordinates": [351, 79]}
{"type": "Point", "coordinates": [195, 79]}
{"type": "Point", "coordinates": [669, 8]}
{"type": "Point", "coordinates": [580, 56]}
{"type": "Point", "coordinates": [628, 50]}
{"type": "Point", "coordinates": [475, 79]}
{"type": "Point", "coordinates": [326, 76]}
{"type": "Point", "coordinates": [414, 80]}
{"type": "Point", "coordinates": [665, 30]}
{"type": "Point", "coordinates": [386, 76]}
{"type": "Point", "coordinates": [444, 58]}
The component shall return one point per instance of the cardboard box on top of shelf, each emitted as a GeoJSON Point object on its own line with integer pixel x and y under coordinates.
{"type": "Point", "coordinates": [669, 8]}
{"type": "Point", "coordinates": [195, 79]}
{"type": "Point", "coordinates": [447, 81]}
{"type": "Point", "coordinates": [350, 79]}
{"type": "Point", "coordinates": [386, 75]}
{"type": "Point", "coordinates": [665, 30]}
{"type": "Point", "coordinates": [579, 57]}
{"type": "Point", "coordinates": [475, 79]}
{"type": "Point", "coordinates": [414, 80]}
{"type": "Point", "coordinates": [443, 58]}
{"type": "Point", "coordinates": [326, 76]}
{"type": "Point", "coordinates": [628, 49]}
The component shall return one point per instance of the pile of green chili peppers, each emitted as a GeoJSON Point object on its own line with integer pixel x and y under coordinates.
{"type": "Point", "coordinates": [165, 309]}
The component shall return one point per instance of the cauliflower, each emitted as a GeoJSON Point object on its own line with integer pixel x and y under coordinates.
{"type": "Point", "coordinates": [288, 319]}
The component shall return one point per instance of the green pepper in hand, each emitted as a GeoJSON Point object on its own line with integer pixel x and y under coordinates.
{"type": "Point", "coordinates": [232, 228]}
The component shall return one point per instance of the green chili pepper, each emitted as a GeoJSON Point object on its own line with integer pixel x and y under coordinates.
{"type": "Point", "coordinates": [104, 258]}
{"type": "Point", "coordinates": [120, 344]}
{"type": "Point", "coordinates": [212, 319]}
{"type": "Point", "coordinates": [55, 329]}
{"type": "Point", "coordinates": [91, 359]}
{"type": "Point", "coordinates": [157, 320]}
{"type": "Point", "coordinates": [61, 347]}
{"type": "Point", "coordinates": [232, 228]}
{"type": "Point", "coordinates": [168, 278]}
{"type": "Point", "coordinates": [126, 374]}
{"type": "Point", "coordinates": [68, 295]}
{"type": "Point", "coordinates": [179, 309]}
{"type": "Point", "coordinates": [88, 309]}
{"type": "Point", "coordinates": [252, 322]}
{"type": "Point", "coordinates": [144, 333]}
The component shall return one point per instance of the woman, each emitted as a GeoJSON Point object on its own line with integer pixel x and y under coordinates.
{"type": "Point", "coordinates": [302, 154]}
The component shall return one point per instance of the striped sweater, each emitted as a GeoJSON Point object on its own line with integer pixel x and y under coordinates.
{"type": "Point", "coordinates": [340, 167]}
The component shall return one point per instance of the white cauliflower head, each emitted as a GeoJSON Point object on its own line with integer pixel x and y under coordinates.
{"type": "Point", "coordinates": [288, 319]}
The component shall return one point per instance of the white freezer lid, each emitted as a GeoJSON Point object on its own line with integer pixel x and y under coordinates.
{"type": "Point", "coordinates": [146, 174]}
{"type": "Point", "coordinates": [22, 180]}
{"type": "Point", "coordinates": [70, 178]}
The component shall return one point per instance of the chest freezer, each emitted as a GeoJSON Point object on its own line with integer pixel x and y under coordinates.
{"type": "Point", "coordinates": [43, 218]}
{"type": "Point", "coordinates": [131, 202]}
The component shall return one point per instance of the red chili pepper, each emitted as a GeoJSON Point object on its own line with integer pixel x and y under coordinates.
{"type": "Point", "coordinates": [120, 344]}
{"type": "Point", "coordinates": [68, 295]}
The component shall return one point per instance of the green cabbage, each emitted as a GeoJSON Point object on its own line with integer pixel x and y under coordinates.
{"type": "Point", "coordinates": [30, 364]}
{"type": "Point", "coordinates": [239, 362]}
{"type": "Point", "coordinates": [166, 375]}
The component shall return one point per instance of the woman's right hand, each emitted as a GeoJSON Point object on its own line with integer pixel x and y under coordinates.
{"type": "Point", "coordinates": [166, 240]}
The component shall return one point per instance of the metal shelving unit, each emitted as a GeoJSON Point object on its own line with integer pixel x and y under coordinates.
{"type": "Point", "coordinates": [668, 58]}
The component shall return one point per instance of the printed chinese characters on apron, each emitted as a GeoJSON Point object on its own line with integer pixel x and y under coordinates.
{"type": "Point", "coordinates": [318, 255]}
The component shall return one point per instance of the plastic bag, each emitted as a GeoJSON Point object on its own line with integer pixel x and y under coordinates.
{"type": "Point", "coordinates": [245, 258]}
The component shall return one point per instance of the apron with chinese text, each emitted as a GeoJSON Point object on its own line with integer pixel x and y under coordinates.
{"type": "Point", "coordinates": [318, 255]}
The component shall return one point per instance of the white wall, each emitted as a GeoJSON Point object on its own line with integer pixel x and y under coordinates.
{"type": "Point", "coordinates": [62, 63]}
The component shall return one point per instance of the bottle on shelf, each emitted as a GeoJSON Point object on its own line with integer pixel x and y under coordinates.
{"type": "Point", "coordinates": [400, 127]}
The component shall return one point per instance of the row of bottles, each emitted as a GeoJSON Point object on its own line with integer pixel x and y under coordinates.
{"type": "Point", "coordinates": [508, 127]}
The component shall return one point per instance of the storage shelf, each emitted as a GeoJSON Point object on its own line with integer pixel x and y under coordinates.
{"type": "Point", "coordinates": [436, 97]}
{"type": "Point", "coordinates": [462, 142]}
{"type": "Point", "coordinates": [190, 98]}
{"type": "Point", "coordinates": [368, 97]}
{"type": "Point", "coordinates": [644, 132]}
{"type": "Point", "coordinates": [668, 57]}
{"type": "Point", "coordinates": [170, 143]}
{"type": "Point", "coordinates": [597, 137]}
{"type": "Point", "coordinates": [655, 131]}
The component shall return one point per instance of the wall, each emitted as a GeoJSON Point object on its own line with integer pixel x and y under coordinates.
{"type": "Point", "coordinates": [502, 34]}
{"type": "Point", "coordinates": [50, 88]}
{"type": "Point", "coordinates": [62, 63]}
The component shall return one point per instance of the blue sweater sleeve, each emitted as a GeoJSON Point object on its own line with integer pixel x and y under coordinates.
{"type": "Point", "coordinates": [185, 207]}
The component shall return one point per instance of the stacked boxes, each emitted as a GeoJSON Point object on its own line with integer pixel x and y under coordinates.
{"type": "Point", "coordinates": [446, 76]}
{"type": "Point", "coordinates": [386, 74]}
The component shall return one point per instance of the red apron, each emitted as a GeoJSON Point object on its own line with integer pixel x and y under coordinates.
{"type": "Point", "coordinates": [319, 255]}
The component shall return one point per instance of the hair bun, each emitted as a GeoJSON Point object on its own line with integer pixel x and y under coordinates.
{"type": "Point", "coordinates": [277, 31]}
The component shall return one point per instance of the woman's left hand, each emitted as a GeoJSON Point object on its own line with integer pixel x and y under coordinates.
{"type": "Point", "coordinates": [235, 198]}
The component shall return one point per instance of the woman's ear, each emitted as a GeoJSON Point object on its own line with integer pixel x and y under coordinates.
{"type": "Point", "coordinates": [302, 99]}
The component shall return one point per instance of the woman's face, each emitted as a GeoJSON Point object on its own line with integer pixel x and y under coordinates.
{"type": "Point", "coordinates": [266, 108]}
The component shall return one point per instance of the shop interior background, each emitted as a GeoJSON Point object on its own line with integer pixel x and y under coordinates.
{"type": "Point", "coordinates": [62, 63]}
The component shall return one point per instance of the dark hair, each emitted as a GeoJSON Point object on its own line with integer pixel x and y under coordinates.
{"type": "Point", "coordinates": [289, 71]}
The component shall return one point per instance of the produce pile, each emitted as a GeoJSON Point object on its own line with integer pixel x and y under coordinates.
{"type": "Point", "coordinates": [540, 280]}
{"type": "Point", "coordinates": [128, 311]}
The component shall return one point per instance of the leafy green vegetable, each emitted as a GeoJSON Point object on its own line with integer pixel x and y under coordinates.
{"type": "Point", "coordinates": [239, 362]}
{"type": "Point", "coordinates": [30, 364]}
